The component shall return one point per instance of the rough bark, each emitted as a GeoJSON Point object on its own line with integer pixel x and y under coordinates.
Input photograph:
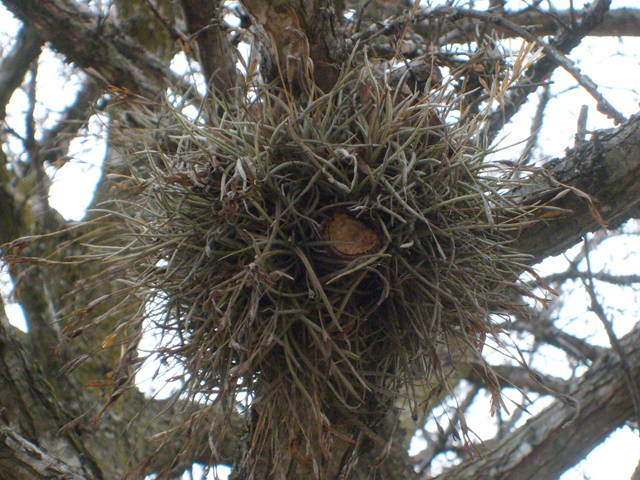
{"type": "Point", "coordinates": [607, 169]}
{"type": "Point", "coordinates": [552, 442]}
{"type": "Point", "coordinates": [303, 40]}
{"type": "Point", "coordinates": [22, 459]}
{"type": "Point", "coordinates": [31, 410]}
{"type": "Point", "coordinates": [213, 47]}
{"type": "Point", "coordinates": [96, 45]}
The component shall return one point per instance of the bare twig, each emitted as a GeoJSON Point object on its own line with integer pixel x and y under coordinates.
{"type": "Point", "coordinates": [440, 444]}
{"type": "Point", "coordinates": [620, 280]}
{"type": "Point", "coordinates": [544, 330]}
{"type": "Point", "coordinates": [555, 53]}
{"type": "Point", "coordinates": [581, 131]}
{"type": "Point", "coordinates": [35, 166]}
{"type": "Point", "coordinates": [521, 378]}
{"type": "Point", "coordinates": [30, 121]}
{"type": "Point", "coordinates": [543, 69]}
{"type": "Point", "coordinates": [536, 125]}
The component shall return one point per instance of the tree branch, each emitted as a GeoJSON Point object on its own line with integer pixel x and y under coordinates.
{"type": "Point", "coordinates": [598, 309]}
{"type": "Point", "coordinates": [620, 280]}
{"type": "Point", "coordinates": [620, 22]}
{"type": "Point", "coordinates": [518, 377]}
{"type": "Point", "coordinates": [15, 64]}
{"type": "Point", "coordinates": [542, 70]}
{"type": "Point", "coordinates": [555, 440]}
{"type": "Point", "coordinates": [22, 459]}
{"type": "Point", "coordinates": [54, 145]}
{"type": "Point", "coordinates": [303, 39]}
{"type": "Point", "coordinates": [95, 44]}
{"type": "Point", "coordinates": [214, 49]}
{"type": "Point", "coordinates": [607, 169]}
{"type": "Point", "coordinates": [555, 55]}
{"type": "Point", "coordinates": [546, 332]}
{"type": "Point", "coordinates": [30, 410]}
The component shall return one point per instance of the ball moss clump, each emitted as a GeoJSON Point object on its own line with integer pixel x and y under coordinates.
{"type": "Point", "coordinates": [316, 256]}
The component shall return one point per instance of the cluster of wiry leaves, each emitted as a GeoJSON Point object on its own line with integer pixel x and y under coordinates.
{"type": "Point", "coordinates": [319, 256]}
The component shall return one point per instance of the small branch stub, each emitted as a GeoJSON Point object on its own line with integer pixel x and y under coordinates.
{"type": "Point", "coordinates": [349, 237]}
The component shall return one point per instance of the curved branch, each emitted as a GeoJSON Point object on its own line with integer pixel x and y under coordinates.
{"type": "Point", "coordinates": [542, 70]}
{"type": "Point", "coordinates": [55, 143]}
{"type": "Point", "coordinates": [545, 331]}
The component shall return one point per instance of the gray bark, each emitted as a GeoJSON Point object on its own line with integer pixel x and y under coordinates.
{"type": "Point", "coordinates": [554, 441]}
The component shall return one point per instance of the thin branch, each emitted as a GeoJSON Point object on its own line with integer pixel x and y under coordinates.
{"type": "Point", "coordinates": [594, 240]}
{"type": "Point", "coordinates": [581, 131]}
{"type": "Point", "coordinates": [521, 378]}
{"type": "Point", "coordinates": [555, 52]}
{"type": "Point", "coordinates": [35, 166]}
{"type": "Point", "coordinates": [30, 120]}
{"type": "Point", "coordinates": [562, 435]}
{"type": "Point", "coordinates": [545, 331]}
{"type": "Point", "coordinates": [438, 445]}
{"type": "Point", "coordinates": [55, 143]}
{"type": "Point", "coordinates": [536, 125]}
{"type": "Point", "coordinates": [619, 22]}
{"type": "Point", "coordinates": [620, 280]}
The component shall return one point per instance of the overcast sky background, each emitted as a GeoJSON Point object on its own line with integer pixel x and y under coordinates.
{"type": "Point", "coordinates": [613, 63]}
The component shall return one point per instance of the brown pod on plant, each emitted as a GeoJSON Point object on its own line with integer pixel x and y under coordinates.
{"type": "Point", "coordinates": [349, 237]}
